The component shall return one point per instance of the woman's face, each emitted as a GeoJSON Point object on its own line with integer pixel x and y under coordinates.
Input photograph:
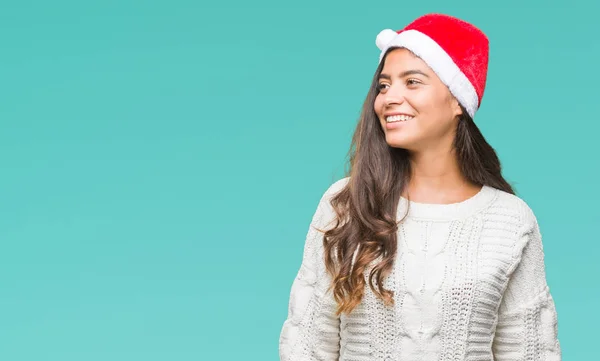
{"type": "Point", "coordinates": [425, 110]}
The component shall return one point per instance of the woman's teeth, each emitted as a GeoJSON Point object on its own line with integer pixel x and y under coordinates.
{"type": "Point", "coordinates": [398, 118]}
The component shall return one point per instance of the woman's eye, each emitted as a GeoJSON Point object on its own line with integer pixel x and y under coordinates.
{"type": "Point", "coordinates": [381, 86]}
{"type": "Point", "coordinates": [412, 81]}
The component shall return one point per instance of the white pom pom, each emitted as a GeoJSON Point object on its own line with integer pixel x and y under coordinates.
{"type": "Point", "coordinates": [385, 37]}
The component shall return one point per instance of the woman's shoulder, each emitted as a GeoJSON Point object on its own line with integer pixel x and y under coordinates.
{"type": "Point", "coordinates": [513, 205]}
{"type": "Point", "coordinates": [335, 187]}
{"type": "Point", "coordinates": [332, 189]}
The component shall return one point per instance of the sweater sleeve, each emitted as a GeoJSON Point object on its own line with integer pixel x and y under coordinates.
{"type": "Point", "coordinates": [527, 327]}
{"type": "Point", "coordinates": [311, 329]}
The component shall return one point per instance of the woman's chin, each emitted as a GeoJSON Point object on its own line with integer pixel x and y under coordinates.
{"type": "Point", "coordinates": [397, 141]}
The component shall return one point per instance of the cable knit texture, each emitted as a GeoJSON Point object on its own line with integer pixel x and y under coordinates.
{"type": "Point", "coordinates": [469, 282]}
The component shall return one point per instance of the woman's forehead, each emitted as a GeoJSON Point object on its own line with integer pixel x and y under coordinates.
{"type": "Point", "coordinates": [402, 60]}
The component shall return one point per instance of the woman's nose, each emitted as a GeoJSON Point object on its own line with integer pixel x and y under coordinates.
{"type": "Point", "coordinates": [393, 97]}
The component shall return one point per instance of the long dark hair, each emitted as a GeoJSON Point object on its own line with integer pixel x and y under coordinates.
{"type": "Point", "coordinates": [366, 207]}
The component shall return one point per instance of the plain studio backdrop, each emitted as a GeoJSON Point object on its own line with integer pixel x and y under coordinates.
{"type": "Point", "coordinates": [161, 162]}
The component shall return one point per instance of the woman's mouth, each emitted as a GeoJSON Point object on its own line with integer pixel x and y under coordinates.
{"type": "Point", "coordinates": [398, 118]}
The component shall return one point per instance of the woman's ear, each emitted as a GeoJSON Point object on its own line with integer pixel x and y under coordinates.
{"type": "Point", "coordinates": [456, 108]}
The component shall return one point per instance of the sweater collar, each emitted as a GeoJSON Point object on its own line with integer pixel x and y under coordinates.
{"type": "Point", "coordinates": [450, 211]}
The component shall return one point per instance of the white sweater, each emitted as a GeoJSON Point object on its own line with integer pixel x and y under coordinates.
{"type": "Point", "coordinates": [469, 281]}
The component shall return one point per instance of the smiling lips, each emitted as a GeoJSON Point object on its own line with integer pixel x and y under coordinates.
{"type": "Point", "coordinates": [397, 118]}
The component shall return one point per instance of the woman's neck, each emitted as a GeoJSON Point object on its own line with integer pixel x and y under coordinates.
{"type": "Point", "coordinates": [436, 178]}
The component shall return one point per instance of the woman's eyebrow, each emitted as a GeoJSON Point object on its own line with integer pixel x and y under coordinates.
{"type": "Point", "coordinates": [403, 74]}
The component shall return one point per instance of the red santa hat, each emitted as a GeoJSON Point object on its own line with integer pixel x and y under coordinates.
{"type": "Point", "coordinates": [454, 49]}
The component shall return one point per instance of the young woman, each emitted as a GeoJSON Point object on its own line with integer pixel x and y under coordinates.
{"type": "Point", "coordinates": [423, 252]}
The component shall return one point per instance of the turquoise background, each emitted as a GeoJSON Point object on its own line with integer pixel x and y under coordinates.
{"type": "Point", "coordinates": [161, 162]}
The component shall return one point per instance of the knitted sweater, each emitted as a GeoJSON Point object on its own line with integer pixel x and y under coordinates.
{"type": "Point", "coordinates": [469, 282]}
